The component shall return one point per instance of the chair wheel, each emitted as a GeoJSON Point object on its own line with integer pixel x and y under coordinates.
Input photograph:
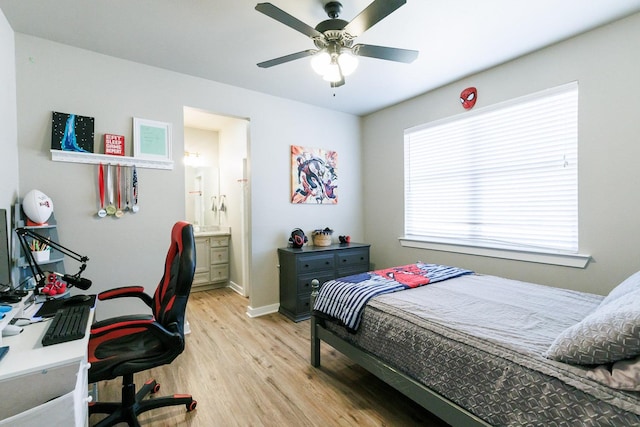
{"type": "Point", "coordinates": [191, 406]}
{"type": "Point", "coordinates": [156, 388]}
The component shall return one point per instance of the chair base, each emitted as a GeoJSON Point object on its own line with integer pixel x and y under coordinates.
{"type": "Point", "coordinates": [133, 403]}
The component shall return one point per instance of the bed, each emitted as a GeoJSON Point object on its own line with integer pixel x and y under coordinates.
{"type": "Point", "coordinates": [479, 350]}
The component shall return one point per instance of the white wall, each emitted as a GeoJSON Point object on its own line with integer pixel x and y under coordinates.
{"type": "Point", "coordinates": [606, 64]}
{"type": "Point", "coordinates": [233, 149]}
{"type": "Point", "coordinates": [56, 77]}
{"type": "Point", "coordinates": [8, 124]}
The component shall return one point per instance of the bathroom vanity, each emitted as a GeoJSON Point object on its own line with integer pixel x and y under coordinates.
{"type": "Point", "coordinates": [212, 258]}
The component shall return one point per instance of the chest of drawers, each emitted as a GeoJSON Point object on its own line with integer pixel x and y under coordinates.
{"type": "Point", "coordinates": [299, 266]}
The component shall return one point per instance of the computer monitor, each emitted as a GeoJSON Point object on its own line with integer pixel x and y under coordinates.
{"type": "Point", "coordinates": [5, 255]}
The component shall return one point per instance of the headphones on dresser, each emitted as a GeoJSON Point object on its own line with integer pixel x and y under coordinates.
{"type": "Point", "coordinates": [298, 238]}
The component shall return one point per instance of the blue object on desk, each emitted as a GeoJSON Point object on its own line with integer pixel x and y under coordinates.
{"type": "Point", "coordinates": [5, 308]}
{"type": "Point", "coordinates": [3, 351]}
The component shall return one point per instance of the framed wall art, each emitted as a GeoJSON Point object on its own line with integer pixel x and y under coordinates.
{"type": "Point", "coordinates": [71, 132]}
{"type": "Point", "coordinates": [151, 139]}
{"type": "Point", "coordinates": [314, 176]}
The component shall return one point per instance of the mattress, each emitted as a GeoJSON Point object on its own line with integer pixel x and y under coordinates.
{"type": "Point", "coordinates": [480, 341]}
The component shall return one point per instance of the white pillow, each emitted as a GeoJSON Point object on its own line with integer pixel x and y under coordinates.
{"type": "Point", "coordinates": [630, 284]}
{"type": "Point", "coordinates": [609, 334]}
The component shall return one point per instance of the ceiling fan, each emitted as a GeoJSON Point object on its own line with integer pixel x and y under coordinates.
{"type": "Point", "coordinates": [335, 54]}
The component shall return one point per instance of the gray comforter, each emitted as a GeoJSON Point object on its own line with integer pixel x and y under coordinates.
{"type": "Point", "coordinates": [480, 342]}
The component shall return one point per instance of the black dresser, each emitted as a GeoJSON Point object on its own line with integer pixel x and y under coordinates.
{"type": "Point", "coordinates": [299, 266]}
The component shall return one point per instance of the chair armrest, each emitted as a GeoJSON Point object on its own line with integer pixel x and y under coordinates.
{"type": "Point", "coordinates": [119, 321]}
{"type": "Point", "coordinates": [127, 291]}
{"type": "Point", "coordinates": [135, 324]}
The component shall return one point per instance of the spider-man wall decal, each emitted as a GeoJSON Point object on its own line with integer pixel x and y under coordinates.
{"type": "Point", "coordinates": [468, 97]}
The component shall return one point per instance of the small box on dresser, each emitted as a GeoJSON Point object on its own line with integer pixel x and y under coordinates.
{"type": "Point", "coordinates": [299, 266]}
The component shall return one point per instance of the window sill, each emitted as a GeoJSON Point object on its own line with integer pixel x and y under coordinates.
{"type": "Point", "coordinates": [567, 260]}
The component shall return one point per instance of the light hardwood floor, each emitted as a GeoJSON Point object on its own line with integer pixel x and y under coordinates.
{"type": "Point", "coordinates": [256, 372]}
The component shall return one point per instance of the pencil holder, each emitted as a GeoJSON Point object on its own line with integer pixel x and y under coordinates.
{"type": "Point", "coordinates": [40, 256]}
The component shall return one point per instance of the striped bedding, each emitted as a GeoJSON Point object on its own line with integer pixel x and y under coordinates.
{"type": "Point", "coordinates": [343, 299]}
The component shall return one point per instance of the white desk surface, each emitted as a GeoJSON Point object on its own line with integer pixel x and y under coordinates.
{"type": "Point", "coordinates": [27, 354]}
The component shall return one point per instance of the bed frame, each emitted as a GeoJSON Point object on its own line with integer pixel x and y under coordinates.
{"type": "Point", "coordinates": [438, 405]}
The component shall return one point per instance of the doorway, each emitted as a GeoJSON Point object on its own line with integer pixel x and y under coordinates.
{"type": "Point", "coordinates": [217, 184]}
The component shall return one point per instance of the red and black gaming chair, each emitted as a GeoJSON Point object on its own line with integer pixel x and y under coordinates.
{"type": "Point", "coordinates": [123, 345]}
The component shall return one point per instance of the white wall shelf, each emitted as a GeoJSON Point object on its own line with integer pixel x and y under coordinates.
{"type": "Point", "coordinates": [92, 158]}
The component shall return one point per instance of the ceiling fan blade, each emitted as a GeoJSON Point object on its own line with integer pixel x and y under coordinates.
{"type": "Point", "coordinates": [387, 53]}
{"type": "Point", "coordinates": [288, 20]}
{"type": "Point", "coordinates": [371, 15]}
{"type": "Point", "coordinates": [287, 58]}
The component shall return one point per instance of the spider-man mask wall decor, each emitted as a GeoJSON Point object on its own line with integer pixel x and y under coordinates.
{"type": "Point", "coordinates": [468, 97]}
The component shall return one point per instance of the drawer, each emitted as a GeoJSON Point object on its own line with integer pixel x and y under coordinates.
{"type": "Point", "coordinates": [350, 271]}
{"type": "Point", "coordinates": [303, 304]}
{"type": "Point", "coordinates": [217, 242]}
{"type": "Point", "coordinates": [315, 263]}
{"type": "Point", "coordinates": [219, 273]}
{"type": "Point", "coordinates": [304, 282]}
{"type": "Point", "coordinates": [219, 256]}
{"type": "Point", "coordinates": [351, 258]}
{"type": "Point", "coordinates": [199, 278]}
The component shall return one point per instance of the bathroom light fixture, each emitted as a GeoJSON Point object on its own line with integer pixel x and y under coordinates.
{"type": "Point", "coordinates": [191, 159]}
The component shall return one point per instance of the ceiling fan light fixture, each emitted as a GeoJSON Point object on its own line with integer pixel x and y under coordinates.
{"type": "Point", "coordinates": [333, 73]}
{"type": "Point", "coordinates": [336, 56]}
{"type": "Point", "coordinates": [348, 62]}
{"type": "Point", "coordinates": [320, 62]}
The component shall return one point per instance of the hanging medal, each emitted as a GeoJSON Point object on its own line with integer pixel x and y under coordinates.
{"type": "Point", "coordinates": [127, 188]}
{"type": "Point", "coordinates": [134, 188]}
{"type": "Point", "coordinates": [119, 212]}
{"type": "Point", "coordinates": [102, 212]}
{"type": "Point", "coordinates": [111, 209]}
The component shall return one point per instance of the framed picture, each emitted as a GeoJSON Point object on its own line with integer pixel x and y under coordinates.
{"type": "Point", "coordinates": [314, 176]}
{"type": "Point", "coordinates": [71, 132]}
{"type": "Point", "coordinates": [151, 139]}
{"type": "Point", "coordinates": [113, 144]}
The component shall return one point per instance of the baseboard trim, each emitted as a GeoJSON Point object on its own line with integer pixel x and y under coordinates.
{"type": "Point", "coordinates": [261, 311]}
{"type": "Point", "coordinates": [237, 288]}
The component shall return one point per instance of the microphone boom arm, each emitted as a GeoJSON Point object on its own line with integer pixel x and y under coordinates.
{"type": "Point", "coordinates": [35, 268]}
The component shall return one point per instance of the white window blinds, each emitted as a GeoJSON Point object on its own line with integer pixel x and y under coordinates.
{"type": "Point", "coordinates": [503, 176]}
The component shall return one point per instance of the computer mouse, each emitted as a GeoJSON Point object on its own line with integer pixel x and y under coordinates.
{"type": "Point", "coordinates": [22, 322]}
{"type": "Point", "coordinates": [11, 330]}
{"type": "Point", "coordinates": [5, 308]}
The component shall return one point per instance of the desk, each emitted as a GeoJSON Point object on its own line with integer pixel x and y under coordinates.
{"type": "Point", "coordinates": [43, 385]}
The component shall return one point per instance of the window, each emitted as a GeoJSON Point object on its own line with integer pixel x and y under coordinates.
{"type": "Point", "coordinates": [504, 176]}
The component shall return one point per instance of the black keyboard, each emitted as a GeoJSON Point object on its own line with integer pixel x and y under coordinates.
{"type": "Point", "coordinates": [68, 324]}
